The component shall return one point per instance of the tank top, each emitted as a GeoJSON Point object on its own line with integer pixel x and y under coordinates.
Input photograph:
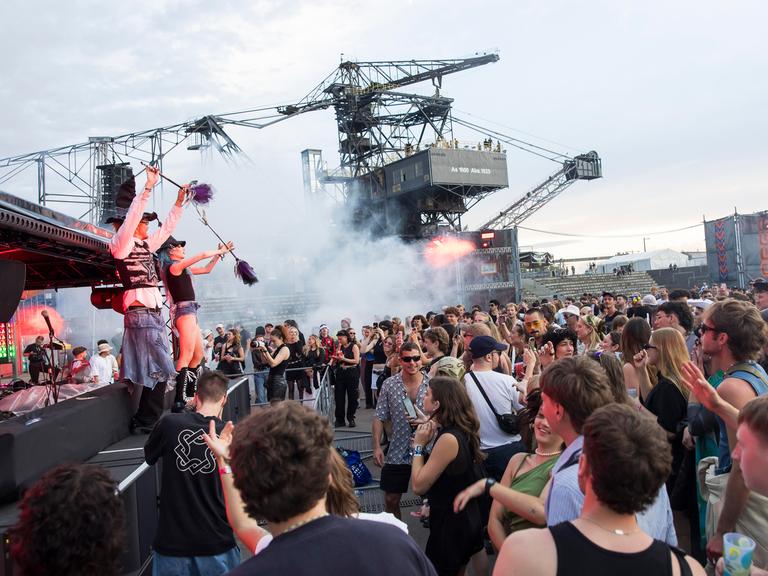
{"type": "Point", "coordinates": [138, 269]}
{"type": "Point", "coordinates": [279, 370]}
{"type": "Point", "coordinates": [531, 482]}
{"type": "Point", "coordinates": [347, 351]}
{"type": "Point", "coordinates": [180, 287]}
{"type": "Point", "coordinates": [597, 561]}
{"type": "Point", "coordinates": [459, 473]}
{"type": "Point", "coordinates": [760, 385]}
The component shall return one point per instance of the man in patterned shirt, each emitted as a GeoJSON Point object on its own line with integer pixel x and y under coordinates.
{"type": "Point", "coordinates": [409, 383]}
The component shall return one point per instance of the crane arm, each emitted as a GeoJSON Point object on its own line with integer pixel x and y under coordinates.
{"type": "Point", "coordinates": [582, 167]}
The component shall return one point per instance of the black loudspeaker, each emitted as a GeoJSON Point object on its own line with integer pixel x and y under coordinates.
{"type": "Point", "coordinates": [14, 275]}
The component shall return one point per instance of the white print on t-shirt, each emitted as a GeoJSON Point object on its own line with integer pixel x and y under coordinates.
{"type": "Point", "coordinates": [201, 461]}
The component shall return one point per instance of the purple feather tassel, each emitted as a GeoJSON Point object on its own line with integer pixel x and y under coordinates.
{"type": "Point", "coordinates": [202, 194]}
{"type": "Point", "coordinates": [244, 271]}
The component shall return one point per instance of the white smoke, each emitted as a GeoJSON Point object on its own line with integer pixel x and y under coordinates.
{"type": "Point", "coordinates": [348, 272]}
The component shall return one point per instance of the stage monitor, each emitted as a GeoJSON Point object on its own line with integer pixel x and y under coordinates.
{"type": "Point", "coordinates": [14, 275]}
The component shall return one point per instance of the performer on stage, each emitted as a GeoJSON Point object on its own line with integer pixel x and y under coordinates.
{"type": "Point", "coordinates": [176, 272]}
{"type": "Point", "coordinates": [36, 356]}
{"type": "Point", "coordinates": [146, 361]}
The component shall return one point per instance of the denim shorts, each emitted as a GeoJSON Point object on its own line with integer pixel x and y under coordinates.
{"type": "Point", "coordinates": [146, 356]}
{"type": "Point", "coordinates": [195, 565]}
{"type": "Point", "coordinates": [185, 308]}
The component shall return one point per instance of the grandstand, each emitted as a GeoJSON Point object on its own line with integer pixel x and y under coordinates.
{"type": "Point", "coordinates": [562, 286]}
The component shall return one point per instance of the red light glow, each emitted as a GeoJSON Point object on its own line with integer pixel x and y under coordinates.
{"type": "Point", "coordinates": [443, 251]}
{"type": "Point", "coordinates": [32, 323]}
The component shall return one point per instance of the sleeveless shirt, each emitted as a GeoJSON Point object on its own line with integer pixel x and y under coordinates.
{"type": "Point", "coordinates": [597, 561]}
{"type": "Point", "coordinates": [180, 287]}
{"type": "Point", "coordinates": [138, 269]}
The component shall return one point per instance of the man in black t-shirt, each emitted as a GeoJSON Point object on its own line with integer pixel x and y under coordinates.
{"type": "Point", "coordinates": [35, 355]}
{"type": "Point", "coordinates": [609, 310]}
{"type": "Point", "coordinates": [193, 535]}
{"type": "Point", "coordinates": [281, 464]}
{"type": "Point", "coordinates": [218, 342]}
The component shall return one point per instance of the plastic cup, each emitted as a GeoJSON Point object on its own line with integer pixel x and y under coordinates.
{"type": "Point", "coordinates": [737, 554]}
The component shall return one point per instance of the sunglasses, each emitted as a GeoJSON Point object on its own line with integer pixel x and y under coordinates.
{"type": "Point", "coordinates": [703, 329]}
{"type": "Point", "coordinates": [410, 358]}
{"type": "Point", "coordinates": [649, 347]}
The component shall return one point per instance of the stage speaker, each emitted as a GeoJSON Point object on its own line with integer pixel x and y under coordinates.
{"type": "Point", "coordinates": [14, 275]}
{"type": "Point", "coordinates": [109, 297]}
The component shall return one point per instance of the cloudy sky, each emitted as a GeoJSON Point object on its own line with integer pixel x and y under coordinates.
{"type": "Point", "coordinates": [671, 94]}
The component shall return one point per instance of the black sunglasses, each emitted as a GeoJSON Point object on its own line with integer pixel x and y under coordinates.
{"type": "Point", "coordinates": [703, 329]}
{"type": "Point", "coordinates": [410, 358]}
{"type": "Point", "coordinates": [649, 347]}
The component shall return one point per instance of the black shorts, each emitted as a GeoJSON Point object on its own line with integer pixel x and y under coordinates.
{"type": "Point", "coordinates": [395, 478]}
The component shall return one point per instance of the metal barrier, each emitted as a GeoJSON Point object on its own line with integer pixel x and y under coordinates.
{"type": "Point", "coordinates": [140, 492]}
{"type": "Point", "coordinates": [322, 399]}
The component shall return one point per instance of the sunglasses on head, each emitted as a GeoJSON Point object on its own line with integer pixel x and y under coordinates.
{"type": "Point", "coordinates": [410, 358]}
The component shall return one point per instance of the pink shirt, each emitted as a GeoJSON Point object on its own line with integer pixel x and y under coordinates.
{"type": "Point", "coordinates": [123, 242]}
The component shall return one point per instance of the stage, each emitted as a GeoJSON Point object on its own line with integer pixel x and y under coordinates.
{"type": "Point", "coordinates": [93, 428]}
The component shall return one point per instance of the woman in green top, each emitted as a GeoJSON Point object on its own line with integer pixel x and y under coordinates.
{"type": "Point", "coordinates": [518, 500]}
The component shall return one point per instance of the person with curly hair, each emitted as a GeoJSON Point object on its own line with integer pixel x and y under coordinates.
{"type": "Point", "coordinates": [281, 464]}
{"type": "Point", "coordinates": [71, 524]}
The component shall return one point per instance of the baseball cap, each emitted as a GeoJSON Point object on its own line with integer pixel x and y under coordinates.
{"type": "Point", "coordinates": [259, 331]}
{"type": "Point", "coordinates": [760, 285]}
{"type": "Point", "coordinates": [572, 309]}
{"type": "Point", "coordinates": [482, 345]}
{"type": "Point", "coordinates": [219, 326]}
{"type": "Point", "coordinates": [450, 366]}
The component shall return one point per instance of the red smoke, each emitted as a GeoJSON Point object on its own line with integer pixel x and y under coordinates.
{"type": "Point", "coordinates": [32, 323]}
{"type": "Point", "coordinates": [445, 250]}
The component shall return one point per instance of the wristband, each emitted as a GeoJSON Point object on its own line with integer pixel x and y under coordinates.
{"type": "Point", "coordinates": [418, 450]}
{"type": "Point", "coordinates": [224, 470]}
{"type": "Point", "coordinates": [489, 482]}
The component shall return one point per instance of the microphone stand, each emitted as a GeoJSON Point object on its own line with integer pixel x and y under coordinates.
{"type": "Point", "coordinates": [51, 388]}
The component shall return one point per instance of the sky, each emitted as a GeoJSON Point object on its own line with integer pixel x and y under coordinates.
{"type": "Point", "coordinates": [672, 95]}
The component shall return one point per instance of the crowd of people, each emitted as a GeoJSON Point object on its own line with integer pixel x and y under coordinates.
{"type": "Point", "coordinates": [576, 435]}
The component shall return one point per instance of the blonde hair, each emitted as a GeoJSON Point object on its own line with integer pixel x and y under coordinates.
{"type": "Point", "coordinates": [672, 353]}
{"type": "Point", "coordinates": [340, 500]}
{"type": "Point", "coordinates": [596, 335]}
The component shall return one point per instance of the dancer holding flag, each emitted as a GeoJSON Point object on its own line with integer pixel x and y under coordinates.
{"type": "Point", "coordinates": [146, 361]}
{"type": "Point", "coordinates": [176, 270]}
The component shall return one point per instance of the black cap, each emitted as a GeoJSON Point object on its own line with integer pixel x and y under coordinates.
{"type": "Point", "coordinates": [260, 331]}
{"type": "Point", "coordinates": [482, 345]}
{"type": "Point", "coordinates": [606, 293]}
{"type": "Point", "coordinates": [760, 285]}
{"type": "Point", "coordinates": [123, 199]}
{"type": "Point", "coordinates": [170, 242]}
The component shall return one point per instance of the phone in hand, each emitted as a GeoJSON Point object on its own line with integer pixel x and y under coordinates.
{"type": "Point", "coordinates": [410, 409]}
{"type": "Point", "coordinates": [532, 344]}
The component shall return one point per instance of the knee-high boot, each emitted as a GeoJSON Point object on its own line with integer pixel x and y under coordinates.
{"type": "Point", "coordinates": [181, 380]}
{"type": "Point", "coordinates": [191, 384]}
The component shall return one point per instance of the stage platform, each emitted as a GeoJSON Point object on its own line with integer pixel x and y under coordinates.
{"type": "Point", "coordinates": [123, 457]}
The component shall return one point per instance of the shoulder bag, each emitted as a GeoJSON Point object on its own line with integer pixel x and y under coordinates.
{"type": "Point", "coordinates": [509, 423]}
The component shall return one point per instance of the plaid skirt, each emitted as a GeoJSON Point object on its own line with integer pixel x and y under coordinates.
{"type": "Point", "coordinates": [146, 359]}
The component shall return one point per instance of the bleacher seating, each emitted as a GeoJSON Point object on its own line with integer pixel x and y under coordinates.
{"type": "Point", "coordinates": [231, 309]}
{"type": "Point", "coordinates": [577, 285]}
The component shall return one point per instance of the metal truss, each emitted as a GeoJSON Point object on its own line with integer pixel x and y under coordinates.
{"type": "Point", "coordinates": [376, 125]}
